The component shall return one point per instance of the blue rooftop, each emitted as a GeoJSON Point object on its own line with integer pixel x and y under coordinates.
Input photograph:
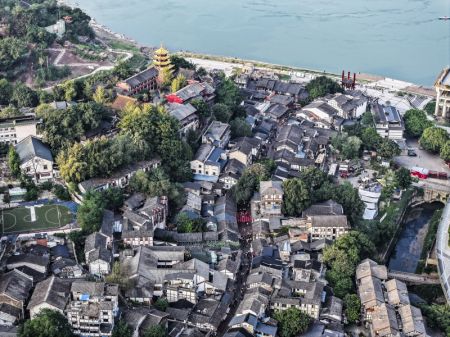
{"type": "Point", "coordinates": [266, 329]}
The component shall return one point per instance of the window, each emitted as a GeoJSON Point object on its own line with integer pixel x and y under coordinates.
{"type": "Point", "coordinates": [45, 167]}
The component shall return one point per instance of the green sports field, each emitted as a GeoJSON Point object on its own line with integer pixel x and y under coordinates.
{"type": "Point", "coordinates": [31, 218]}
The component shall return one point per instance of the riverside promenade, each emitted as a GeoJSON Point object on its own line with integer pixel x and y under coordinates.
{"type": "Point", "coordinates": [443, 251]}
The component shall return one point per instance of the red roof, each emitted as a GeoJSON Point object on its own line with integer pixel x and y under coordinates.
{"type": "Point", "coordinates": [172, 98]}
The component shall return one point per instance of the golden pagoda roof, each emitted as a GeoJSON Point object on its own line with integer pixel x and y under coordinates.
{"type": "Point", "coordinates": [161, 51]}
{"type": "Point", "coordinates": [161, 63]}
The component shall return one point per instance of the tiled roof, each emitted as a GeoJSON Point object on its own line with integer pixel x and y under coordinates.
{"type": "Point", "coordinates": [53, 291]}
{"type": "Point", "coordinates": [31, 147]}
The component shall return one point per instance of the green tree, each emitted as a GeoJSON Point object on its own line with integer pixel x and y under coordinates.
{"type": "Point", "coordinates": [438, 317]}
{"type": "Point", "coordinates": [154, 132]}
{"type": "Point", "coordinates": [11, 51]}
{"type": "Point", "coordinates": [433, 139]}
{"type": "Point", "coordinates": [139, 182]}
{"type": "Point", "coordinates": [161, 304]}
{"type": "Point", "coordinates": [313, 178]}
{"type": "Point", "coordinates": [61, 192]}
{"type": "Point", "coordinates": [178, 83]}
{"type": "Point", "coordinates": [352, 307]}
{"type": "Point", "coordinates": [71, 164]}
{"type": "Point", "coordinates": [342, 258]}
{"type": "Point", "coordinates": [122, 329]}
{"type": "Point", "coordinates": [165, 77]}
{"type": "Point", "coordinates": [180, 62]}
{"type": "Point", "coordinates": [70, 90]}
{"type": "Point", "coordinates": [322, 86]}
{"type": "Point", "coordinates": [6, 91]}
{"type": "Point", "coordinates": [240, 128]}
{"type": "Point", "coordinates": [348, 196]}
{"type": "Point", "coordinates": [14, 162]}
{"type": "Point", "coordinates": [351, 147]}
{"type": "Point", "coordinates": [403, 177]}
{"type": "Point", "coordinates": [118, 277]}
{"type": "Point", "coordinates": [227, 92]}
{"type": "Point", "coordinates": [367, 119]}
{"type": "Point", "coordinates": [90, 212]}
{"type": "Point", "coordinates": [10, 111]}
{"type": "Point", "coordinates": [201, 72]}
{"type": "Point", "coordinates": [370, 139]}
{"type": "Point", "coordinates": [416, 122]}
{"type": "Point", "coordinates": [99, 96]}
{"type": "Point", "coordinates": [113, 198]}
{"type": "Point", "coordinates": [221, 112]}
{"type": "Point", "coordinates": [23, 96]}
{"type": "Point", "coordinates": [430, 108]}
{"type": "Point", "coordinates": [155, 331]}
{"type": "Point", "coordinates": [63, 127]}
{"type": "Point", "coordinates": [188, 225]}
{"type": "Point", "coordinates": [445, 151]}
{"type": "Point", "coordinates": [292, 322]}
{"type": "Point", "coordinates": [248, 183]}
{"type": "Point", "coordinates": [296, 197]}
{"type": "Point", "coordinates": [203, 110]}
{"type": "Point", "coordinates": [388, 149]}
{"type": "Point", "coordinates": [48, 323]}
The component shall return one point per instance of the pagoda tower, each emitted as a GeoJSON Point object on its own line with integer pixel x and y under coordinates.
{"type": "Point", "coordinates": [161, 58]}
{"type": "Point", "coordinates": [161, 61]}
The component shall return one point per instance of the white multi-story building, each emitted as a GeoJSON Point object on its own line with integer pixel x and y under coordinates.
{"type": "Point", "coordinates": [388, 122]}
{"type": "Point", "coordinates": [349, 106]}
{"type": "Point", "coordinates": [442, 87]}
{"type": "Point", "coordinates": [13, 130]}
{"type": "Point", "coordinates": [208, 163]}
{"type": "Point", "coordinates": [92, 309]}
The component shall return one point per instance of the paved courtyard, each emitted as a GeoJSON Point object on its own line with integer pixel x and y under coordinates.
{"type": "Point", "coordinates": [424, 159]}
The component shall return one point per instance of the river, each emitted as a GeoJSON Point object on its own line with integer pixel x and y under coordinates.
{"type": "Point", "coordinates": [408, 249]}
{"type": "Point", "coordinates": [402, 39]}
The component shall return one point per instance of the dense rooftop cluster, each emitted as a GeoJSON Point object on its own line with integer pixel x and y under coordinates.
{"type": "Point", "coordinates": [205, 204]}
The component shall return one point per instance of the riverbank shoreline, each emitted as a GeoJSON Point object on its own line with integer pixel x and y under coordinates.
{"type": "Point", "coordinates": [377, 81]}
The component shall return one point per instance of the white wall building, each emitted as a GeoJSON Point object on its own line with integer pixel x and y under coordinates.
{"type": "Point", "coordinates": [388, 122]}
{"type": "Point", "coordinates": [13, 130]}
{"type": "Point", "coordinates": [36, 159]}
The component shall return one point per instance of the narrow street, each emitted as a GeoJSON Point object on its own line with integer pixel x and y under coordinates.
{"type": "Point", "coordinates": [246, 261]}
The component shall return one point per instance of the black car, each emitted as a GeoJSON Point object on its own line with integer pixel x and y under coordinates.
{"type": "Point", "coordinates": [412, 153]}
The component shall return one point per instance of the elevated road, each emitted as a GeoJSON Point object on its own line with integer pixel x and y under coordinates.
{"type": "Point", "coordinates": [413, 278]}
{"type": "Point", "coordinates": [443, 251]}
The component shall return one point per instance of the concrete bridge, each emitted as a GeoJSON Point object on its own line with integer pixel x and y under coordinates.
{"type": "Point", "coordinates": [411, 278]}
{"type": "Point", "coordinates": [434, 189]}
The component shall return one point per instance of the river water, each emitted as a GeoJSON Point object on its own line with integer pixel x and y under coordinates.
{"type": "Point", "coordinates": [402, 39]}
{"type": "Point", "coordinates": [406, 254]}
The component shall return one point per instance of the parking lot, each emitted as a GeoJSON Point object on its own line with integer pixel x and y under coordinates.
{"type": "Point", "coordinates": [423, 159]}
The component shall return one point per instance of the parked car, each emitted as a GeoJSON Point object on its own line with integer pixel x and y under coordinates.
{"type": "Point", "coordinates": [412, 153]}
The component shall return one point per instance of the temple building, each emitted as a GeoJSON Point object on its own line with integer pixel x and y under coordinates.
{"type": "Point", "coordinates": [442, 87]}
{"type": "Point", "coordinates": [148, 79]}
{"type": "Point", "coordinates": [144, 81]}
